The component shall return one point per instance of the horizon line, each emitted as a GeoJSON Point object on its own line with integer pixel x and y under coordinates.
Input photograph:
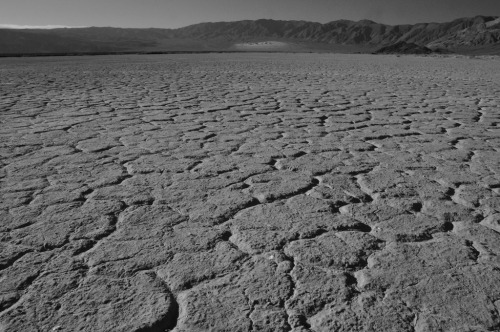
{"type": "Point", "coordinates": [53, 26]}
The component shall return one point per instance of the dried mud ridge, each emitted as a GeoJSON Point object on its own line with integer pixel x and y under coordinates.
{"type": "Point", "coordinates": [250, 193]}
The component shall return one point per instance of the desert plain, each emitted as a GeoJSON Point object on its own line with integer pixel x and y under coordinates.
{"type": "Point", "coordinates": [250, 192]}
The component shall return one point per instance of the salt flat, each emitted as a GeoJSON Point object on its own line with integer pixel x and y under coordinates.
{"type": "Point", "coordinates": [250, 192]}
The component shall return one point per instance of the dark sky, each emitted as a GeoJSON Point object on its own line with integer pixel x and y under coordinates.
{"type": "Point", "coordinates": [178, 13]}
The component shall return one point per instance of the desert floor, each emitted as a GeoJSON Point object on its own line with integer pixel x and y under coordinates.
{"type": "Point", "coordinates": [250, 192]}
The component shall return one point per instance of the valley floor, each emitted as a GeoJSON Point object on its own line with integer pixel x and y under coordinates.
{"type": "Point", "coordinates": [250, 192]}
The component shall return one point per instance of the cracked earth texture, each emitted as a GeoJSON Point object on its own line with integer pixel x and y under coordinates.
{"type": "Point", "coordinates": [250, 192]}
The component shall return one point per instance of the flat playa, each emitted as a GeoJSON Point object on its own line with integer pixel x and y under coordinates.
{"type": "Point", "coordinates": [250, 192]}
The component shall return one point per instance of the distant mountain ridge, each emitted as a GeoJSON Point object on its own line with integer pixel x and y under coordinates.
{"type": "Point", "coordinates": [480, 34]}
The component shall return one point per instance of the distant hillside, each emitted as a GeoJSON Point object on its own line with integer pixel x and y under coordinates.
{"type": "Point", "coordinates": [402, 47]}
{"type": "Point", "coordinates": [479, 35]}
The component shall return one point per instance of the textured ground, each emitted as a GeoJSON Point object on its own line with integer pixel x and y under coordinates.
{"type": "Point", "coordinates": [250, 193]}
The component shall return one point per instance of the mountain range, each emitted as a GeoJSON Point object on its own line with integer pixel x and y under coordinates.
{"type": "Point", "coordinates": [475, 35]}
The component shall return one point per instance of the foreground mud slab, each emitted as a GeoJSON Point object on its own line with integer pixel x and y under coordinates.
{"type": "Point", "coordinates": [252, 192]}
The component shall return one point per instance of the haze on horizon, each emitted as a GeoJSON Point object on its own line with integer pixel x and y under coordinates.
{"type": "Point", "coordinates": [179, 13]}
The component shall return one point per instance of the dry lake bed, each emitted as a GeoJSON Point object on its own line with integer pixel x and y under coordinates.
{"type": "Point", "coordinates": [250, 192]}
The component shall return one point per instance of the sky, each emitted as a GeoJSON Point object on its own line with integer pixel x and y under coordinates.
{"type": "Point", "coordinates": [179, 13]}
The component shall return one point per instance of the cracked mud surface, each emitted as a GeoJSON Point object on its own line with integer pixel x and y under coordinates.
{"type": "Point", "coordinates": [252, 192]}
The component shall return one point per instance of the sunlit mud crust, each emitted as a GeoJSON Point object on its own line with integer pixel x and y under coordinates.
{"type": "Point", "coordinates": [250, 192]}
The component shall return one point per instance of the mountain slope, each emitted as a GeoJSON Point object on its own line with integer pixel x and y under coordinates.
{"type": "Point", "coordinates": [477, 34]}
{"type": "Point", "coordinates": [402, 47]}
